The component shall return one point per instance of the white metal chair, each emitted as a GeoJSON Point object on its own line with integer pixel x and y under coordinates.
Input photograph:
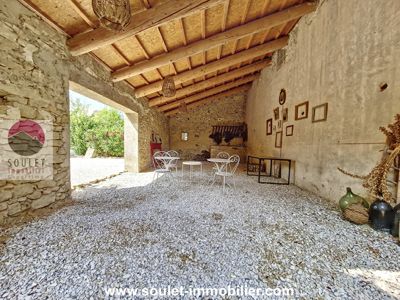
{"type": "Point", "coordinates": [229, 171]}
{"type": "Point", "coordinates": [224, 155]}
{"type": "Point", "coordinates": [174, 164]}
{"type": "Point", "coordinates": [160, 166]}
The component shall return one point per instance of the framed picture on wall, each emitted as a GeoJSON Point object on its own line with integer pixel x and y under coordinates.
{"type": "Point", "coordinates": [269, 126]}
{"type": "Point", "coordinates": [278, 139]}
{"type": "Point", "coordinates": [289, 130]}
{"type": "Point", "coordinates": [301, 111]}
{"type": "Point", "coordinates": [320, 113]}
{"type": "Point", "coordinates": [276, 113]}
{"type": "Point", "coordinates": [285, 114]}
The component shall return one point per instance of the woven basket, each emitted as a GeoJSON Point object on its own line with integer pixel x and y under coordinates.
{"type": "Point", "coordinates": [113, 14]}
{"type": "Point", "coordinates": [356, 213]}
{"type": "Point", "coordinates": [168, 87]}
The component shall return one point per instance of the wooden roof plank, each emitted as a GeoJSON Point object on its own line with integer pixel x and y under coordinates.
{"type": "Point", "coordinates": [210, 82]}
{"type": "Point", "coordinates": [216, 65]}
{"type": "Point", "coordinates": [210, 92]}
{"type": "Point", "coordinates": [153, 17]}
{"type": "Point", "coordinates": [216, 40]}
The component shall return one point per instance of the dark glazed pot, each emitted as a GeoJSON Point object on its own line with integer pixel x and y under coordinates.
{"type": "Point", "coordinates": [381, 215]}
{"type": "Point", "coordinates": [396, 222]}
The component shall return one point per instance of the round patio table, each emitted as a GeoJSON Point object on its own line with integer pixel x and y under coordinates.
{"type": "Point", "coordinates": [167, 161]}
{"type": "Point", "coordinates": [191, 164]}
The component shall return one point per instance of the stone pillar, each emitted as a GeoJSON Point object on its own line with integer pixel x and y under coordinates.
{"type": "Point", "coordinates": [131, 144]}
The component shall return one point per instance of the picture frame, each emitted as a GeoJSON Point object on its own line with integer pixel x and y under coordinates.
{"type": "Point", "coordinates": [269, 127]}
{"type": "Point", "coordinates": [276, 113]}
{"type": "Point", "coordinates": [301, 111]}
{"type": "Point", "coordinates": [320, 113]}
{"type": "Point", "coordinates": [285, 114]}
{"type": "Point", "coordinates": [278, 139]}
{"type": "Point", "coordinates": [289, 130]}
{"type": "Point", "coordinates": [282, 97]}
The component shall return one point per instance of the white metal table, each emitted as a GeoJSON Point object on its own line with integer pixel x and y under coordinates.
{"type": "Point", "coordinates": [191, 164]}
{"type": "Point", "coordinates": [167, 161]}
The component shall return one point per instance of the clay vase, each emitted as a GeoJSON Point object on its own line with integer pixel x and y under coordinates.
{"type": "Point", "coordinates": [351, 198]}
{"type": "Point", "coordinates": [381, 215]}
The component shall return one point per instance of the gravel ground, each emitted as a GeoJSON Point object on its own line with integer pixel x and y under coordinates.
{"type": "Point", "coordinates": [84, 170]}
{"type": "Point", "coordinates": [129, 232]}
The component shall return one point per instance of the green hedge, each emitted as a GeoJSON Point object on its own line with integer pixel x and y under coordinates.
{"type": "Point", "coordinates": [102, 131]}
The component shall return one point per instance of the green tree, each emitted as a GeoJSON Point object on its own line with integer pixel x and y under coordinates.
{"type": "Point", "coordinates": [81, 123]}
{"type": "Point", "coordinates": [107, 134]}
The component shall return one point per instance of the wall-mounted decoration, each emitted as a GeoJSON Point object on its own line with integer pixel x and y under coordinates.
{"type": "Point", "coordinates": [285, 114]}
{"type": "Point", "coordinates": [269, 126]}
{"type": "Point", "coordinates": [184, 136]}
{"type": "Point", "coordinates": [289, 130]}
{"type": "Point", "coordinates": [301, 111]}
{"type": "Point", "coordinates": [280, 124]}
{"type": "Point", "coordinates": [282, 97]}
{"type": "Point", "coordinates": [274, 128]}
{"type": "Point", "coordinates": [228, 133]}
{"type": "Point", "coordinates": [278, 139]}
{"type": "Point", "coordinates": [276, 113]}
{"type": "Point", "coordinates": [320, 113]}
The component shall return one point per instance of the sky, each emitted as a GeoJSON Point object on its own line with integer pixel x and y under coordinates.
{"type": "Point", "coordinates": [93, 105]}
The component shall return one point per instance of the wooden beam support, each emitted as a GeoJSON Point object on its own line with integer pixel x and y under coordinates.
{"type": "Point", "coordinates": [207, 100]}
{"type": "Point", "coordinates": [152, 17]}
{"type": "Point", "coordinates": [210, 92]}
{"type": "Point", "coordinates": [210, 82]}
{"type": "Point", "coordinates": [215, 40]}
{"type": "Point", "coordinates": [215, 66]}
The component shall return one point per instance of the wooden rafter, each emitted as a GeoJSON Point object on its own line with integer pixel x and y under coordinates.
{"type": "Point", "coordinates": [153, 17]}
{"type": "Point", "coordinates": [213, 81]}
{"type": "Point", "coordinates": [216, 65]}
{"type": "Point", "coordinates": [78, 9]}
{"type": "Point", "coordinates": [216, 40]}
{"type": "Point", "coordinates": [209, 92]}
{"type": "Point", "coordinates": [223, 25]}
{"type": "Point", "coordinates": [211, 99]}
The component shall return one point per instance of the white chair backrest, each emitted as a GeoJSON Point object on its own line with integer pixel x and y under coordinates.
{"type": "Point", "coordinates": [234, 161]}
{"type": "Point", "coordinates": [173, 153]}
{"type": "Point", "coordinates": [159, 164]}
{"type": "Point", "coordinates": [223, 155]}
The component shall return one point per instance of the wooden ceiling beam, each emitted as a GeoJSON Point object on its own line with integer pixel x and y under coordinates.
{"type": "Point", "coordinates": [152, 17]}
{"type": "Point", "coordinates": [214, 66]}
{"type": "Point", "coordinates": [216, 40]}
{"type": "Point", "coordinates": [210, 82]}
{"type": "Point", "coordinates": [211, 99]}
{"type": "Point", "coordinates": [209, 92]}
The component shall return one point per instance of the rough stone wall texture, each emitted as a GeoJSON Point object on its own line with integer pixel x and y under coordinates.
{"type": "Point", "coordinates": [35, 69]}
{"type": "Point", "coordinates": [340, 55]}
{"type": "Point", "coordinates": [198, 124]}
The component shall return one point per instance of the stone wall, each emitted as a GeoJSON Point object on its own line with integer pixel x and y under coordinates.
{"type": "Point", "coordinates": [198, 124]}
{"type": "Point", "coordinates": [35, 71]}
{"type": "Point", "coordinates": [339, 55]}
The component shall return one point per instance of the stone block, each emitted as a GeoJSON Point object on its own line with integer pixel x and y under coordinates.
{"type": "Point", "coordinates": [43, 201]}
{"type": "Point", "coordinates": [35, 195]}
{"type": "Point", "coordinates": [14, 209]}
{"type": "Point", "coordinates": [5, 195]}
{"type": "Point", "coordinates": [23, 190]}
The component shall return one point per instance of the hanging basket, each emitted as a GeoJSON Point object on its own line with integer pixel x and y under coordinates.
{"type": "Point", "coordinates": [113, 14]}
{"type": "Point", "coordinates": [168, 87]}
